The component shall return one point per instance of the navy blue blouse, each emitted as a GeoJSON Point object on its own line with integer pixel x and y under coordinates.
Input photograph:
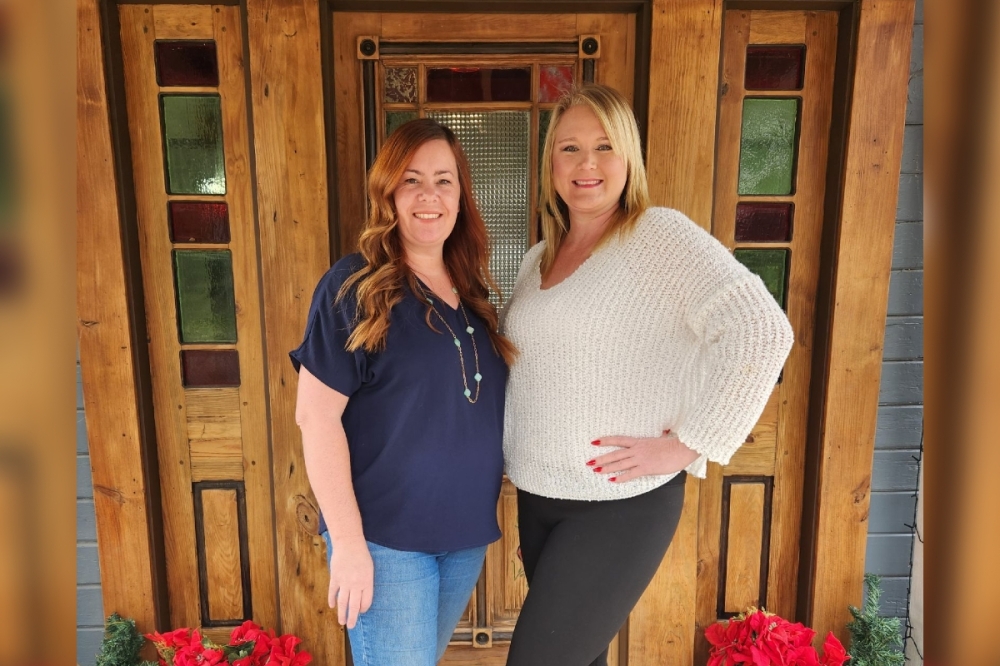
{"type": "Point", "coordinates": [426, 464]}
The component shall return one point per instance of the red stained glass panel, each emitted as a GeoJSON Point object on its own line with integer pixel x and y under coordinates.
{"type": "Point", "coordinates": [553, 81]}
{"type": "Point", "coordinates": [209, 368]}
{"type": "Point", "coordinates": [186, 63]}
{"type": "Point", "coordinates": [775, 67]}
{"type": "Point", "coordinates": [478, 84]}
{"type": "Point", "coordinates": [760, 222]}
{"type": "Point", "coordinates": [198, 222]}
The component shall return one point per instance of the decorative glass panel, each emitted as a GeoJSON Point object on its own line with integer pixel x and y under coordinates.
{"type": "Point", "coordinates": [774, 67]}
{"type": "Point", "coordinates": [553, 81]}
{"type": "Point", "coordinates": [208, 368]}
{"type": "Point", "coordinates": [186, 63]}
{"type": "Point", "coordinates": [771, 266]}
{"type": "Point", "coordinates": [767, 146]}
{"type": "Point", "coordinates": [205, 302]}
{"type": "Point", "coordinates": [497, 145]}
{"type": "Point", "coordinates": [192, 134]}
{"type": "Point", "coordinates": [393, 119]}
{"type": "Point", "coordinates": [760, 222]}
{"type": "Point", "coordinates": [198, 222]}
{"type": "Point", "coordinates": [478, 84]}
{"type": "Point", "coordinates": [401, 85]}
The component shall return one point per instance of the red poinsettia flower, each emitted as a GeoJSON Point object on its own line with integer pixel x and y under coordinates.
{"type": "Point", "coordinates": [833, 652]}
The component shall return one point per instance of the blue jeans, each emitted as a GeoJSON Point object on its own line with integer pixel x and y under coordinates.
{"type": "Point", "coordinates": [417, 600]}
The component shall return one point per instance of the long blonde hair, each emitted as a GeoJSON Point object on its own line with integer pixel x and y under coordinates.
{"type": "Point", "coordinates": [380, 282]}
{"type": "Point", "coordinates": [615, 116]}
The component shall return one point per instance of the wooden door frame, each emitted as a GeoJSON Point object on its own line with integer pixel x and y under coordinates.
{"type": "Point", "coordinates": [293, 186]}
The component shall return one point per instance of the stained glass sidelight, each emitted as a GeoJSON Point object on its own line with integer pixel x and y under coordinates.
{"type": "Point", "coordinates": [478, 84]}
{"type": "Point", "coordinates": [192, 136]}
{"type": "Point", "coordinates": [209, 368]}
{"type": "Point", "coordinates": [393, 119]}
{"type": "Point", "coordinates": [206, 303]}
{"type": "Point", "coordinates": [760, 222]}
{"type": "Point", "coordinates": [774, 67]}
{"type": "Point", "coordinates": [401, 85]}
{"type": "Point", "coordinates": [198, 222]}
{"type": "Point", "coordinates": [497, 145]}
{"type": "Point", "coordinates": [553, 81]}
{"type": "Point", "coordinates": [771, 266]}
{"type": "Point", "coordinates": [186, 63]}
{"type": "Point", "coordinates": [767, 146]}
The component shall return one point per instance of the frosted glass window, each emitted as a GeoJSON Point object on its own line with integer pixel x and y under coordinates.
{"type": "Point", "coordinates": [206, 303]}
{"type": "Point", "coordinates": [767, 146]}
{"type": "Point", "coordinates": [497, 145]}
{"type": "Point", "coordinates": [192, 136]}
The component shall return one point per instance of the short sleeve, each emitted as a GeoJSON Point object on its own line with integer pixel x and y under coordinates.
{"type": "Point", "coordinates": [324, 347]}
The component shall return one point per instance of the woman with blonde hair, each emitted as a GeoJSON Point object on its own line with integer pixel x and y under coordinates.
{"type": "Point", "coordinates": [400, 403]}
{"type": "Point", "coordinates": [646, 350]}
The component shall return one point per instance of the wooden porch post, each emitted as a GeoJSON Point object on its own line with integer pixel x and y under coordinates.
{"type": "Point", "coordinates": [121, 485]}
{"type": "Point", "coordinates": [860, 298]}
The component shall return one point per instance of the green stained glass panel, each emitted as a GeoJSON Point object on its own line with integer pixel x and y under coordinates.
{"type": "Point", "coordinates": [767, 146]}
{"type": "Point", "coordinates": [192, 136]}
{"type": "Point", "coordinates": [393, 119]}
{"type": "Point", "coordinates": [206, 304]}
{"type": "Point", "coordinates": [771, 266]}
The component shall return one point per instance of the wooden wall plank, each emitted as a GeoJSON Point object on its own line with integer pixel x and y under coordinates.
{"type": "Point", "coordinates": [215, 434]}
{"type": "Point", "coordinates": [617, 46]}
{"type": "Point", "coordinates": [292, 192]}
{"type": "Point", "coordinates": [683, 87]}
{"type": "Point", "coordinates": [255, 468]}
{"type": "Point", "coordinates": [223, 568]}
{"type": "Point", "coordinates": [873, 156]}
{"type": "Point", "coordinates": [106, 359]}
{"type": "Point", "coordinates": [778, 27]}
{"type": "Point", "coordinates": [745, 540]}
{"type": "Point", "coordinates": [476, 27]}
{"type": "Point", "coordinates": [183, 21]}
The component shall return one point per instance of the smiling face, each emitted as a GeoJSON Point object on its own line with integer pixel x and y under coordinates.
{"type": "Point", "coordinates": [586, 171]}
{"type": "Point", "coordinates": [427, 198]}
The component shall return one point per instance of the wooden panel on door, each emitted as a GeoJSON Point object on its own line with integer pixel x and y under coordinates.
{"type": "Point", "coordinates": [774, 125]}
{"type": "Point", "coordinates": [190, 145]}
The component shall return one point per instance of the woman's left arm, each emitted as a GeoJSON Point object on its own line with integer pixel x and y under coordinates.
{"type": "Point", "coordinates": [747, 338]}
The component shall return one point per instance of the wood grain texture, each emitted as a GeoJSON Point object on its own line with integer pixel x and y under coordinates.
{"type": "Point", "coordinates": [214, 432]}
{"type": "Point", "coordinates": [292, 190]}
{"type": "Point", "coordinates": [778, 27]}
{"type": "Point", "coordinates": [478, 27]}
{"type": "Point", "coordinates": [137, 31]}
{"type": "Point", "coordinates": [220, 517]}
{"type": "Point", "coordinates": [745, 539]}
{"type": "Point", "coordinates": [616, 66]}
{"type": "Point", "coordinates": [183, 21]}
{"type": "Point", "coordinates": [106, 360]}
{"type": "Point", "coordinates": [873, 155]}
{"type": "Point", "coordinates": [252, 400]}
{"type": "Point", "coordinates": [683, 81]}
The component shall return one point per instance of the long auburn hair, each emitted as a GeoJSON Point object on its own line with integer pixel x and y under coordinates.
{"type": "Point", "coordinates": [615, 116]}
{"type": "Point", "coordinates": [380, 282]}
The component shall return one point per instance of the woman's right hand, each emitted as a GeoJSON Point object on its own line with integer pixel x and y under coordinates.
{"type": "Point", "coordinates": [352, 577]}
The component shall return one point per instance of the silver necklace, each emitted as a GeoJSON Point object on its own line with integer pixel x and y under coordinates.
{"type": "Point", "coordinates": [458, 343]}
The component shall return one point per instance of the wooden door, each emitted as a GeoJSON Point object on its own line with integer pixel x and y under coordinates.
{"type": "Point", "coordinates": [493, 80]}
{"type": "Point", "coordinates": [188, 127]}
{"type": "Point", "coordinates": [775, 106]}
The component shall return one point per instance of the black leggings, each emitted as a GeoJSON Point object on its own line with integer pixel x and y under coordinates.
{"type": "Point", "coordinates": [587, 564]}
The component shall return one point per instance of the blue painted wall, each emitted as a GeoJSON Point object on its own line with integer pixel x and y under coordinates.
{"type": "Point", "coordinates": [89, 609]}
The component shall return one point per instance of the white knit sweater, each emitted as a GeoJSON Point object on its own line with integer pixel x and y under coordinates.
{"type": "Point", "coordinates": [663, 329]}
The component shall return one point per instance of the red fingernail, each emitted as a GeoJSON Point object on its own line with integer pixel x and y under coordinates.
{"type": "Point", "coordinates": [597, 469]}
{"type": "Point", "coordinates": [613, 478]}
{"type": "Point", "coordinates": [596, 442]}
{"type": "Point", "coordinates": [591, 462]}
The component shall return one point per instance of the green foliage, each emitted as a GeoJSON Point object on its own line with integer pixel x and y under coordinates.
{"type": "Point", "coordinates": [875, 640]}
{"type": "Point", "coordinates": [122, 643]}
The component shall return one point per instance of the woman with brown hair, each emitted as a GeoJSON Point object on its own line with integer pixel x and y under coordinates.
{"type": "Point", "coordinates": [401, 402]}
{"type": "Point", "coordinates": [646, 351]}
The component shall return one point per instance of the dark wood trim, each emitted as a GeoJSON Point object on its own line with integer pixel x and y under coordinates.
{"type": "Point", "coordinates": [135, 294]}
{"type": "Point", "coordinates": [371, 120]}
{"type": "Point", "coordinates": [476, 48]}
{"type": "Point", "coordinates": [765, 542]}
{"type": "Point", "coordinates": [199, 526]}
{"type": "Point", "coordinates": [230, 3]}
{"type": "Point", "coordinates": [843, 80]}
{"type": "Point", "coordinates": [330, 124]}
